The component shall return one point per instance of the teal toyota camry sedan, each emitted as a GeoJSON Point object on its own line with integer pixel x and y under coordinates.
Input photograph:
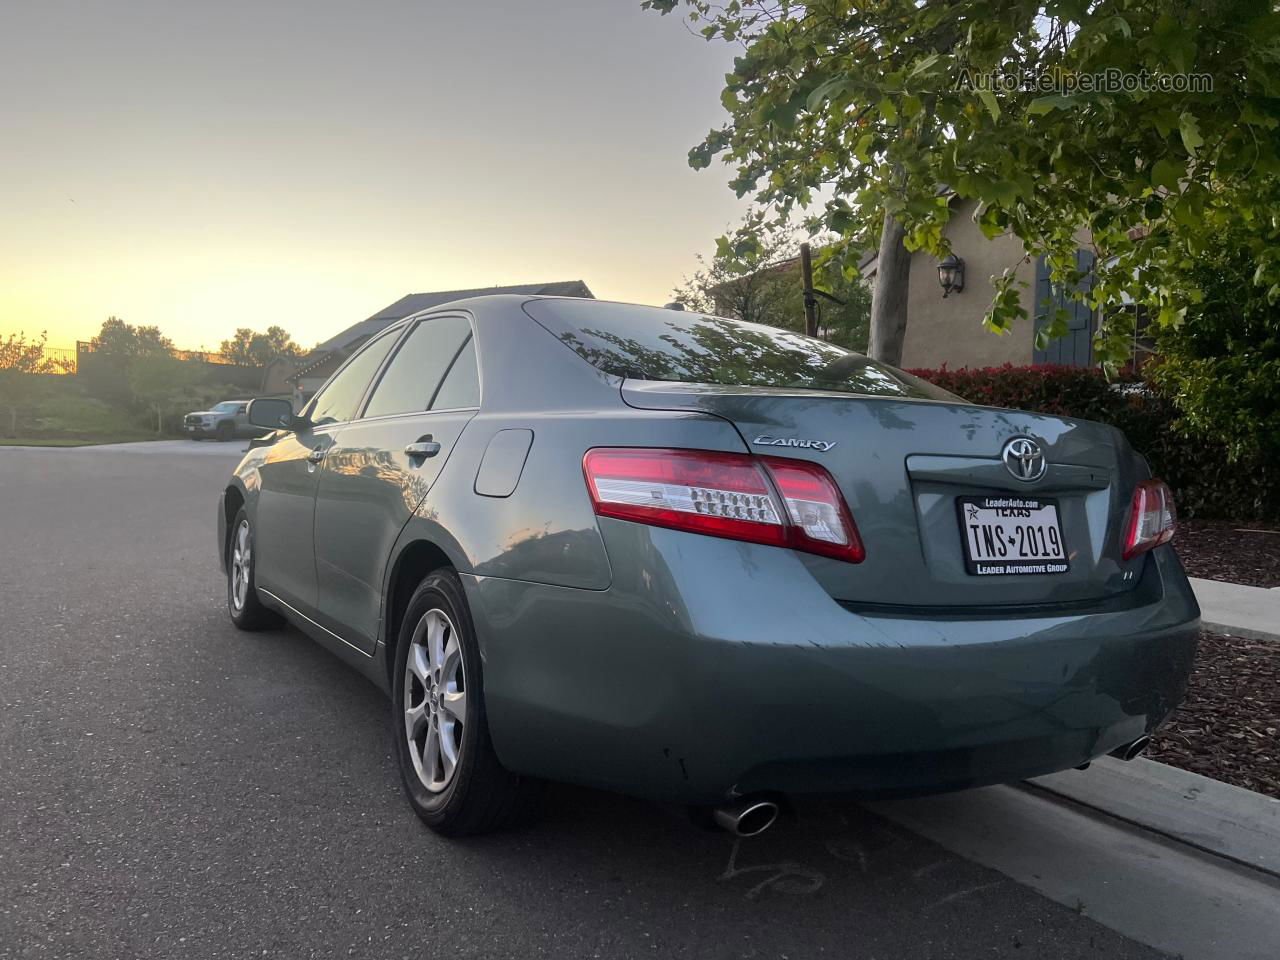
{"type": "Point", "coordinates": [705, 562]}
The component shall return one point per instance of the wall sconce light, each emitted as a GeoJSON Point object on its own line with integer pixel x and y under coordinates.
{"type": "Point", "coordinates": [951, 275]}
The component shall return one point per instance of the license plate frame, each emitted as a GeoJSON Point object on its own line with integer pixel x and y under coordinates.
{"type": "Point", "coordinates": [1018, 562]}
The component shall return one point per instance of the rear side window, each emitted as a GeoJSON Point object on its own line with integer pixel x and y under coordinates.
{"type": "Point", "coordinates": [418, 366]}
{"type": "Point", "coordinates": [648, 343]}
{"type": "Point", "coordinates": [461, 387]}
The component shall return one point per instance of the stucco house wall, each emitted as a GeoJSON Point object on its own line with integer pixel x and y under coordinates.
{"type": "Point", "coordinates": [949, 331]}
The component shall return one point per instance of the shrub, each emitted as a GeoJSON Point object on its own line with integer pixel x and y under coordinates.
{"type": "Point", "coordinates": [1206, 482]}
{"type": "Point", "coordinates": [1221, 364]}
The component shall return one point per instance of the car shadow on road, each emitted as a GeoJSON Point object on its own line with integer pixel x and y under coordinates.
{"type": "Point", "coordinates": [616, 875]}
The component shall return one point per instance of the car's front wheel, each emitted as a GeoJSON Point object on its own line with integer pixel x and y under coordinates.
{"type": "Point", "coordinates": [247, 611]}
{"type": "Point", "coordinates": [226, 431]}
{"type": "Point", "coordinates": [450, 771]}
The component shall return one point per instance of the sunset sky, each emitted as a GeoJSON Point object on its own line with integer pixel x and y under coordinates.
{"type": "Point", "coordinates": [203, 166]}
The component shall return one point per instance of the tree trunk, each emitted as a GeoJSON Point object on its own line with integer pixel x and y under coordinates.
{"type": "Point", "coordinates": [159, 422]}
{"type": "Point", "coordinates": [889, 297]}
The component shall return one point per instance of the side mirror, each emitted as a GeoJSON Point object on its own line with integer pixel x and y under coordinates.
{"type": "Point", "coordinates": [271, 413]}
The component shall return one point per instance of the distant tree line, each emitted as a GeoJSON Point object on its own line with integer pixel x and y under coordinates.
{"type": "Point", "coordinates": [253, 349]}
{"type": "Point", "coordinates": [22, 360]}
{"type": "Point", "coordinates": [136, 369]}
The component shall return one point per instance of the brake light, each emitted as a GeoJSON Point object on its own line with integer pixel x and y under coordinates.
{"type": "Point", "coordinates": [1152, 518]}
{"type": "Point", "coordinates": [769, 500]}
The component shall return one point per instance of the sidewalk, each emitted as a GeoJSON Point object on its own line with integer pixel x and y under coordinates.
{"type": "Point", "coordinates": [1252, 612]}
{"type": "Point", "coordinates": [1166, 857]}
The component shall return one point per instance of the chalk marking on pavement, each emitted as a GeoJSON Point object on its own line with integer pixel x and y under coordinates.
{"type": "Point", "coordinates": [962, 893]}
{"type": "Point", "coordinates": [788, 876]}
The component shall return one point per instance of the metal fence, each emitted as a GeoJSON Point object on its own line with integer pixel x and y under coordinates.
{"type": "Point", "coordinates": [67, 359]}
{"type": "Point", "coordinates": [203, 356]}
{"type": "Point", "coordinates": [61, 359]}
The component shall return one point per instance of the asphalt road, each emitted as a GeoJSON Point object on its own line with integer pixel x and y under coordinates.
{"type": "Point", "coordinates": [170, 787]}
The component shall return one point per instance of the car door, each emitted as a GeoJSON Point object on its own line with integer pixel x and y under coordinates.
{"type": "Point", "coordinates": [383, 465]}
{"type": "Point", "coordinates": [284, 541]}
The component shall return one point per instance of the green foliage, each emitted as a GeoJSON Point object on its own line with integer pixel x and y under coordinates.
{"type": "Point", "coordinates": [754, 275]}
{"type": "Point", "coordinates": [124, 341]}
{"type": "Point", "coordinates": [844, 110]}
{"type": "Point", "coordinates": [65, 412]}
{"type": "Point", "coordinates": [1207, 479]}
{"type": "Point", "coordinates": [1221, 364]}
{"type": "Point", "coordinates": [162, 382]}
{"type": "Point", "coordinates": [251, 349]}
{"type": "Point", "coordinates": [22, 361]}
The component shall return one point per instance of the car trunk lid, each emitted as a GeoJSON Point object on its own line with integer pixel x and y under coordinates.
{"type": "Point", "coordinates": [907, 467]}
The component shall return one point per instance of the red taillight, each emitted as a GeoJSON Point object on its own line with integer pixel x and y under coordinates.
{"type": "Point", "coordinates": [763, 500]}
{"type": "Point", "coordinates": [819, 518]}
{"type": "Point", "coordinates": [1151, 518]}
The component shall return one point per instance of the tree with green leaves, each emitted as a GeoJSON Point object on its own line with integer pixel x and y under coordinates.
{"type": "Point", "coordinates": [21, 363]}
{"type": "Point", "coordinates": [251, 349]}
{"type": "Point", "coordinates": [1127, 122]}
{"type": "Point", "coordinates": [760, 282]}
{"type": "Point", "coordinates": [124, 341]}
{"type": "Point", "coordinates": [159, 381]}
{"type": "Point", "coordinates": [1221, 364]}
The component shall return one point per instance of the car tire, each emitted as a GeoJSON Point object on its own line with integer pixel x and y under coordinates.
{"type": "Point", "coordinates": [457, 786]}
{"type": "Point", "coordinates": [246, 610]}
{"type": "Point", "coordinates": [226, 431]}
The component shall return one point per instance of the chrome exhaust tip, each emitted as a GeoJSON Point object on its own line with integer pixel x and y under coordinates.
{"type": "Point", "coordinates": [748, 817]}
{"type": "Point", "coordinates": [1131, 751]}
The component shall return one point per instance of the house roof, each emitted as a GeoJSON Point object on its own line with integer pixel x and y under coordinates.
{"type": "Point", "coordinates": [356, 334]}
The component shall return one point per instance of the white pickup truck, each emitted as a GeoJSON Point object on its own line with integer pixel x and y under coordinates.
{"type": "Point", "coordinates": [224, 421]}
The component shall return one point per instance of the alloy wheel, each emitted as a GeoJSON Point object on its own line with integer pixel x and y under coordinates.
{"type": "Point", "coordinates": [241, 557]}
{"type": "Point", "coordinates": [435, 700]}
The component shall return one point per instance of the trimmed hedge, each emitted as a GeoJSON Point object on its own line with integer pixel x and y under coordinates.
{"type": "Point", "coordinates": [1205, 481]}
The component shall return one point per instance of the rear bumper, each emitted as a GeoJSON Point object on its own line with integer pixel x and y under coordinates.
{"type": "Point", "coordinates": [710, 669]}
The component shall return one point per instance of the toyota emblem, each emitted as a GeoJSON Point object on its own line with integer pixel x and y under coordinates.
{"type": "Point", "coordinates": [1024, 459]}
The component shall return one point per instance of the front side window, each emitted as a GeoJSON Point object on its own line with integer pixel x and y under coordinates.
{"type": "Point", "coordinates": [415, 371]}
{"type": "Point", "coordinates": [337, 400]}
{"type": "Point", "coordinates": [648, 343]}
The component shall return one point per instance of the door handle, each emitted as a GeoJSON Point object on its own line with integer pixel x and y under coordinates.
{"type": "Point", "coordinates": [316, 455]}
{"type": "Point", "coordinates": [426, 447]}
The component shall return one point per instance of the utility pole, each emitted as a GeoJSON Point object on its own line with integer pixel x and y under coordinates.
{"type": "Point", "coordinates": [810, 301]}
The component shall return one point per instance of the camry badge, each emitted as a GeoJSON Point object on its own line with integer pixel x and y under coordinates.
{"type": "Point", "coordinates": [1024, 459]}
{"type": "Point", "coordinates": [767, 441]}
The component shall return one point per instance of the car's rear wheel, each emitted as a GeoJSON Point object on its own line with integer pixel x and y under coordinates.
{"type": "Point", "coordinates": [226, 431]}
{"type": "Point", "coordinates": [450, 771]}
{"type": "Point", "coordinates": [247, 611]}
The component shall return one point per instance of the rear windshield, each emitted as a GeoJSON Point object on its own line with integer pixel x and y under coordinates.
{"type": "Point", "coordinates": [649, 343]}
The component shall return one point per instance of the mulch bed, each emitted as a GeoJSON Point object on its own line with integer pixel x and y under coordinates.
{"type": "Point", "coordinates": [1228, 725]}
{"type": "Point", "coordinates": [1220, 550]}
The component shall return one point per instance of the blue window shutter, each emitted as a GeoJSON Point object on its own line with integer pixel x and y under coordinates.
{"type": "Point", "coordinates": [1076, 348]}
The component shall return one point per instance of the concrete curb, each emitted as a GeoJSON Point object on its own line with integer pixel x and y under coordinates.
{"type": "Point", "coordinates": [1264, 636]}
{"type": "Point", "coordinates": [1207, 814]}
{"type": "Point", "coordinates": [1144, 885]}
{"type": "Point", "coordinates": [1250, 612]}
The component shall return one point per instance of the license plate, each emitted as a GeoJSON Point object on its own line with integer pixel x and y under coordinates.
{"type": "Point", "coordinates": [1011, 535]}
